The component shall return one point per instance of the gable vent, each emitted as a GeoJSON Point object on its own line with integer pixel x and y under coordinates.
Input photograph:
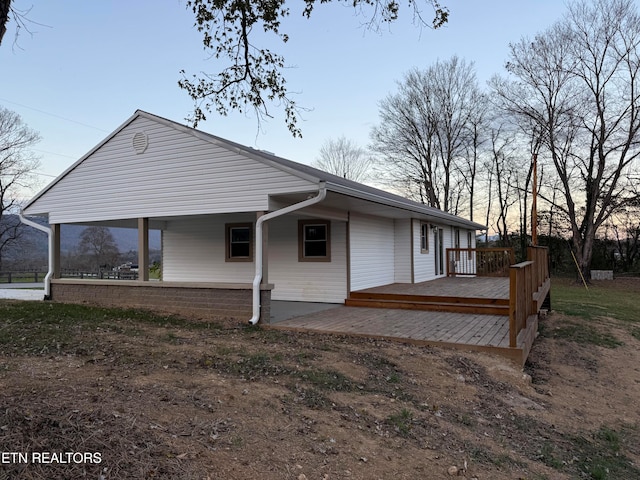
{"type": "Point", "coordinates": [140, 142]}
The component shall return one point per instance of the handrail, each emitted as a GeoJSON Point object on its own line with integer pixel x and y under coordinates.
{"type": "Point", "coordinates": [526, 281]}
{"type": "Point", "coordinates": [520, 299]}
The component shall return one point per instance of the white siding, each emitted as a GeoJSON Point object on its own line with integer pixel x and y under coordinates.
{"type": "Point", "coordinates": [178, 174]}
{"type": "Point", "coordinates": [306, 281]}
{"type": "Point", "coordinates": [372, 251]}
{"type": "Point", "coordinates": [402, 250]}
{"type": "Point", "coordinates": [449, 242]}
{"type": "Point", "coordinates": [193, 250]}
{"type": "Point", "coordinates": [424, 266]}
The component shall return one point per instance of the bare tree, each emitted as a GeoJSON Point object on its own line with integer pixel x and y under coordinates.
{"type": "Point", "coordinates": [17, 166]}
{"type": "Point", "coordinates": [503, 174]}
{"type": "Point", "coordinates": [626, 238]}
{"type": "Point", "coordinates": [579, 83]}
{"type": "Point", "coordinates": [427, 130]}
{"type": "Point", "coordinates": [471, 160]}
{"type": "Point", "coordinates": [344, 158]}
{"type": "Point", "coordinates": [100, 246]}
{"type": "Point", "coordinates": [405, 141]}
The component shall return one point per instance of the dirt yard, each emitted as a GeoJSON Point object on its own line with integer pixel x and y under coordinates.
{"type": "Point", "coordinates": [130, 399]}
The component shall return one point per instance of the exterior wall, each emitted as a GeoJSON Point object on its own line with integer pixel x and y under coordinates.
{"type": "Point", "coordinates": [193, 250]}
{"type": "Point", "coordinates": [178, 174]}
{"type": "Point", "coordinates": [306, 281]}
{"type": "Point", "coordinates": [402, 250]}
{"type": "Point", "coordinates": [206, 302]}
{"type": "Point", "coordinates": [372, 251]}
{"type": "Point", "coordinates": [424, 266]}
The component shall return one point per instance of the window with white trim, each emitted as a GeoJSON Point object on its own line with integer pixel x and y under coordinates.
{"type": "Point", "coordinates": [424, 237]}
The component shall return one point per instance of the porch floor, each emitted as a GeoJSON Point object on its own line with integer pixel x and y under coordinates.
{"type": "Point", "coordinates": [467, 331]}
{"type": "Point", "coordinates": [474, 295]}
{"type": "Point", "coordinates": [406, 325]}
{"type": "Point", "coordinates": [463, 287]}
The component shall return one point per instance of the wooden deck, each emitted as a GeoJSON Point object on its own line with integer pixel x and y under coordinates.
{"type": "Point", "coordinates": [471, 287]}
{"type": "Point", "coordinates": [422, 314]}
{"type": "Point", "coordinates": [484, 295]}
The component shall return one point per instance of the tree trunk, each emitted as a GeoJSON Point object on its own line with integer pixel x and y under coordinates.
{"type": "Point", "coordinates": [583, 250]}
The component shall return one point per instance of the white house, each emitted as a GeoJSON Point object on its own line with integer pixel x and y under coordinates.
{"type": "Point", "coordinates": [239, 226]}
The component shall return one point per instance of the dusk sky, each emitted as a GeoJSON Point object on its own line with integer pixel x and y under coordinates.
{"type": "Point", "coordinates": [87, 66]}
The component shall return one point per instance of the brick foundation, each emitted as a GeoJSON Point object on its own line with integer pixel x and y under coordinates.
{"type": "Point", "coordinates": [194, 300]}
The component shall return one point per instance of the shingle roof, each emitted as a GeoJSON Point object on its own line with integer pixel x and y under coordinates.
{"type": "Point", "coordinates": [333, 182]}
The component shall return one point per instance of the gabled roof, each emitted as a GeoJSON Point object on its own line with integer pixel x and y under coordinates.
{"type": "Point", "coordinates": [333, 183]}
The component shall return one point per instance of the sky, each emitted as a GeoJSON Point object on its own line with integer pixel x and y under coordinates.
{"type": "Point", "coordinates": [85, 67]}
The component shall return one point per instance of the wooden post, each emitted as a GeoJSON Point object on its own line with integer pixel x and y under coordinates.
{"type": "Point", "coordinates": [143, 249]}
{"type": "Point", "coordinates": [55, 233]}
{"type": "Point", "coordinates": [534, 203]}
{"type": "Point", "coordinates": [513, 304]}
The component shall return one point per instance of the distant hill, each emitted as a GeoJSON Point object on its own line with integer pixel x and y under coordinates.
{"type": "Point", "coordinates": [34, 242]}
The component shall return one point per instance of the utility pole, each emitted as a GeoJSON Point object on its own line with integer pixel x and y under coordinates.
{"type": "Point", "coordinates": [534, 203]}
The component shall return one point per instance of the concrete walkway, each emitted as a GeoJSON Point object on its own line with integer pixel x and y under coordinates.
{"type": "Point", "coordinates": [22, 291]}
{"type": "Point", "coordinates": [284, 310]}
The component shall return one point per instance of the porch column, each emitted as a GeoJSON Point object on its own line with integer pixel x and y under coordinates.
{"type": "Point", "coordinates": [265, 249]}
{"type": "Point", "coordinates": [143, 249]}
{"type": "Point", "coordinates": [55, 261]}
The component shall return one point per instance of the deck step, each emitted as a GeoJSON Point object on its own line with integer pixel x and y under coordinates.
{"type": "Point", "coordinates": [484, 308]}
{"type": "Point", "coordinates": [428, 298]}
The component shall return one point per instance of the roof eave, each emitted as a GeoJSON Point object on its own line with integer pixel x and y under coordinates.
{"type": "Point", "coordinates": [407, 205]}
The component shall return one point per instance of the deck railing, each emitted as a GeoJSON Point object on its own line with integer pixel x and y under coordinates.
{"type": "Point", "coordinates": [528, 285]}
{"type": "Point", "coordinates": [100, 275]}
{"type": "Point", "coordinates": [480, 262]}
{"type": "Point", "coordinates": [540, 258]}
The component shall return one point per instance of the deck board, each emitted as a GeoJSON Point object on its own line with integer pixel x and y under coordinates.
{"type": "Point", "coordinates": [472, 287]}
{"type": "Point", "coordinates": [401, 324]}
{"type": "Point", "coordinates": [471, 331]}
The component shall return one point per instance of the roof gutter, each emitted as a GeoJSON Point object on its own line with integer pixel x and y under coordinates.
{"type": "Point", "coordinates": [322, 193]}
{"type": "Point", "coordinates": [47, 230]}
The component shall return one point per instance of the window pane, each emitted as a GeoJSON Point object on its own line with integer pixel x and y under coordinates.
{"type": "Point", "coordinates": [315, 232]}
{"type": "Point", "coordinates": [240, 249]}
{"type": "Point", "coordinates": [424, 237]}
{"type": "Point", "coordinates": [314, 241]}
{"type": "Point", "coordinates": [315, 249]}
{"type": "Point", "coordinates": [240, 234]}
{"type": "Point", "coordinates": [240, 240]}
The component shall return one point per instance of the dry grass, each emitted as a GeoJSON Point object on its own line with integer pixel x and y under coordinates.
{"type": "Point", "coordinates": [161, 397]}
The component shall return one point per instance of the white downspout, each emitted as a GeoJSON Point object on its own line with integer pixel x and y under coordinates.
{"type": "Point", "coordinates": [47, 230]}
{"type": "Point", "coordinates": [322, 193]}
